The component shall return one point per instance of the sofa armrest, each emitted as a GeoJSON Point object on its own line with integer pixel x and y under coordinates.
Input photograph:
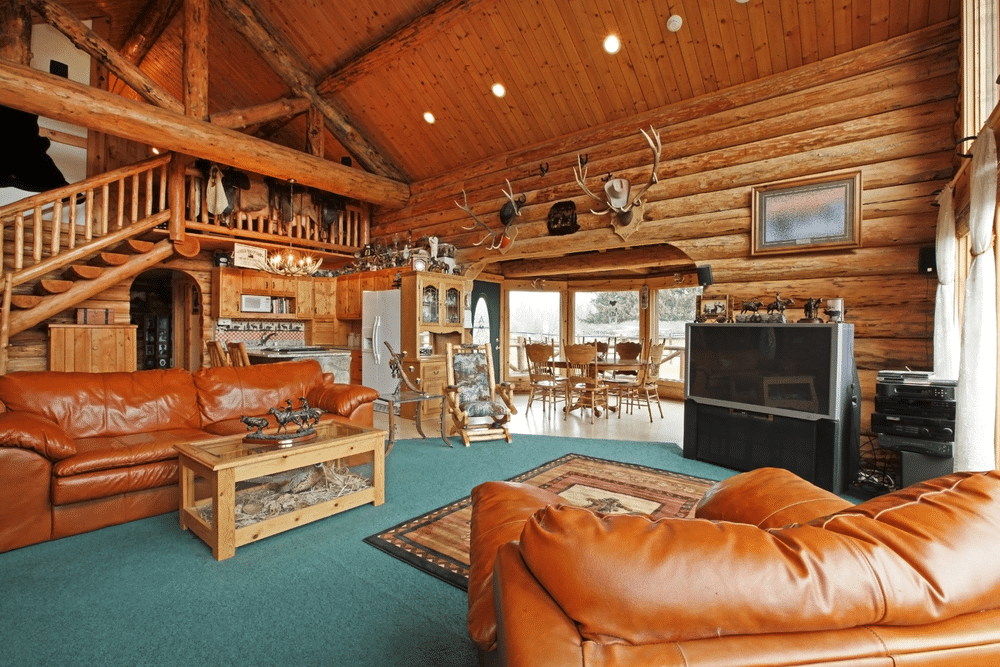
{"type": "Point", "coordinates": [34, 432]}
{"type": "Point", "coordinates": [499, 510]}
{"type": "Point", "coordinates": [768, 498]}
{"type": "Point", "coordinates": [531, 627]}
{"type": "Point", "coordinates": [341, 399]}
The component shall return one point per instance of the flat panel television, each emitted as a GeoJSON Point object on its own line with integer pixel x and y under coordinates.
{"type": "Point", "coordinates": [791, 369]}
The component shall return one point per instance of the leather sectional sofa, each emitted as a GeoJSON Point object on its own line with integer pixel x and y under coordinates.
{"type": "Point", "coordinates": [81, 451]}
{"type": "Point", "coordinates": [771, 571]}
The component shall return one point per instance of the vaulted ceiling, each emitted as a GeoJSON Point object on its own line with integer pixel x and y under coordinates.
{"type": "Point", "coordinates": [384, 63]}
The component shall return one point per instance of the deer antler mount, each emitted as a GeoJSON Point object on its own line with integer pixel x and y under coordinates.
{"type": "Point", "coordinates": [511, 209]}
{"type": "Point", "coordinates": [620, 198]}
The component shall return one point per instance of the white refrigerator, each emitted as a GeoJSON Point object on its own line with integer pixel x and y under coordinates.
{"type": "Point", "coordinates": [379, 324]}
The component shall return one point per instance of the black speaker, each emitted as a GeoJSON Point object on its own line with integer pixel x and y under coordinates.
{"type": "Point", "coordinates": [705, 275]}
{"type": "Point", "coordinates": [928, 260]}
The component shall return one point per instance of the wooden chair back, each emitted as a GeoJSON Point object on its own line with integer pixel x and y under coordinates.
{"type": "Point", "coordinates": [540, 358]}
{"type": "Point", "coordinates": [628, 350]}
{"type": "Point", "coordinates": [217, 354]}
{"type": "Point", "coordinates": [238, 354]}
{"type": "Point", "coordinates": [581, 362]}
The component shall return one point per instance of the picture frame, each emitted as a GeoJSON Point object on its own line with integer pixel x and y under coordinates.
{"type": "Point", "coordinates": [713, 309]}
{"type": "Point", "coordinates": [817, 213]}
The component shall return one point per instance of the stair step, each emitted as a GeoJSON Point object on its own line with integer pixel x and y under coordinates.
{"type": "Point", "coordinates": [82, 272]}
{"type": "Point", "coordinates": [109, 259]}
{"type": "Point", "coordinates": [47, 286]}
{"type": "Point", "coordinates": [134, 247]}
{"type": "Point", "coordinates": [25, 301]}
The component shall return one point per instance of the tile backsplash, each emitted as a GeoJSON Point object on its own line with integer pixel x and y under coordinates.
{"type": "Point", "coordinates": [251, 332]}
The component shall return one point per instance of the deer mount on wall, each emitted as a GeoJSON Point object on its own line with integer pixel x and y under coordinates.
{"type": "Point", "coordinates": [511, 209]}
{"type": "Point", "coordinates": [620, 198]}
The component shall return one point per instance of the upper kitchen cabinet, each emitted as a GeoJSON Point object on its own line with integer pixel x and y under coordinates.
{"type": "Point", "coordinates": [433, 306]}
{"type": "Point", "coordinates": [352, 285]}
{"type": "Point", "coordinates": [245, 293]}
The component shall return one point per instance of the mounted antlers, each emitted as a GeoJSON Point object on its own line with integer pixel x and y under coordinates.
{"type": "Point", "coordinates": [512, 208]}
{"type": "Point", "coordinates": [620, 198]}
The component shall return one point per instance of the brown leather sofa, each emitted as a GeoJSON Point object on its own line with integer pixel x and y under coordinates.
{"type": "Point", "coordinates": [771, 571]}
{"type": "Point", "coordinates": [81, 451]}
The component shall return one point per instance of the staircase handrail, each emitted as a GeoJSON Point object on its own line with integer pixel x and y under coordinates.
{"type": "Point", "coordinates": [90, 183]}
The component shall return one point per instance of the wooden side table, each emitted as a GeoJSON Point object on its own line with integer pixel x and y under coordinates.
{"type": "Point", "coordinates": [401, 397]}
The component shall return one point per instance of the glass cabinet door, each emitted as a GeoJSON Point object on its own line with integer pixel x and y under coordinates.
{"type": "Point", "coordinates": [430, 312]}
{"type": "Point", "coordinates": [452, 306]}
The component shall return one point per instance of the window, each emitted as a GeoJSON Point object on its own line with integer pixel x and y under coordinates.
{"type": "Point", "coordinates": [533, 316]}
{"type": "Point", "coordinates": [674, 309]}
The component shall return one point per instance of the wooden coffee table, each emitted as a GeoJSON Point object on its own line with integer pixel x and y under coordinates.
{"type": "Point", "coordinates": [211, 469]}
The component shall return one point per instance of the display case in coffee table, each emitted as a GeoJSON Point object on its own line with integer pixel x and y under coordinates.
{"type": "Point", "coordinates": [235, 492]}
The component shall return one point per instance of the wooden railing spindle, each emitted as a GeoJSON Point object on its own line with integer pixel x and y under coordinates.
{"type": "Point", "coordinates": [37, 241]}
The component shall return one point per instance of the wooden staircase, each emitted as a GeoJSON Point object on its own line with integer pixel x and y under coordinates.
{"type": "Point", "coordinates": [64, 246]}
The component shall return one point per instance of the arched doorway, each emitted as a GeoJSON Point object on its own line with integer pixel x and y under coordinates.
{"type": "Point", "coordinates": [165, 306]}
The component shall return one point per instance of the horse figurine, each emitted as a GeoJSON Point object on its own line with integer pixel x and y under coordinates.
{"type": "Point", "coordinates": [751, 306]}
{"type": "Point", "coordinates": [779, 304]}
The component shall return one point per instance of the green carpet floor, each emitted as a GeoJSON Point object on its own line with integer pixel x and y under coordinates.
{"type": "Point", "coordinates": [147, 593]}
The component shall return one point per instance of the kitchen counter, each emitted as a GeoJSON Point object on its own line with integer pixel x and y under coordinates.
{"type": "Point", "coordinates": [336, 360]}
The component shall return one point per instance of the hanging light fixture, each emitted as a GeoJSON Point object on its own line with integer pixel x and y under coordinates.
{"type": "Point", "coordinates": [292, 262]}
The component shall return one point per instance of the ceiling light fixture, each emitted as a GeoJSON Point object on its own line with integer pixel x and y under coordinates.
{"type": "Point", "coordinates": [499, 90]}
{"type": "Point", "coordinates": [612, 44]}
{"type": "Point", "coordinates": [292, 262]}
{"type": "Point", "coordinates": [743, 2]}
{"type": "Point", "coordinates": [429, 117]}
{"type": "Point", "coordinates": [674, 23]}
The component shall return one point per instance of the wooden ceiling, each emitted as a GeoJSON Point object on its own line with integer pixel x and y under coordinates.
{"type": "Point", "coordinates": [384, 63]}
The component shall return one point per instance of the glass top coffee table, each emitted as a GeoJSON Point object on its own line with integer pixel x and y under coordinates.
{"type": "Point", "coordinates": [234, 492]}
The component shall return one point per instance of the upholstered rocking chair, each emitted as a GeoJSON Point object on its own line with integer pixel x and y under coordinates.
{"type": "Point", "coordinates": [480, 408]}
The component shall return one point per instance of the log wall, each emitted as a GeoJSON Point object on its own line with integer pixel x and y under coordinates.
{"type": "Point", "coordinates": [888, 110]}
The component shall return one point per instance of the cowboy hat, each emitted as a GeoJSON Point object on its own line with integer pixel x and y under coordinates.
{"type": "Point", "coordinates": [617, 190]}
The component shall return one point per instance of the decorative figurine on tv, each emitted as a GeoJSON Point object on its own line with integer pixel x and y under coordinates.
{"type": "Point", "coordinates": [811, 310]}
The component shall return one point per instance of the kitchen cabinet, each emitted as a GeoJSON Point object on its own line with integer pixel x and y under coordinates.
{"type": "Point", "coordinates": [433, 375]}
{"type": "Point", "coordinates": [288, 297]}
{"type": "Point", "coordinates": [352, 285]}
{"type": "Point", "coordinates": [324, 298]}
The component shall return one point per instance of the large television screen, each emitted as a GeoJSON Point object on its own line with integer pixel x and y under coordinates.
{"type": "Point", "coordinates": [790, 369]}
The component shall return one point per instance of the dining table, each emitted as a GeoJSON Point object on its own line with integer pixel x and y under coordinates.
{"type": "Point", "coordinates": [602, 367]}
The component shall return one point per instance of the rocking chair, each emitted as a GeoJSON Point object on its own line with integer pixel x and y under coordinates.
{"type": "Point", "coordinates": [480, 408]}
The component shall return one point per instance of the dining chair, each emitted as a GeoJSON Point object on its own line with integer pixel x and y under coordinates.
{"type": "Point", "coordinates": [625, 351]}
{"type": "Point", "coordinates": [238, 354]}
{"type": "Point", "coordinates": [542, 378]}
{"type": "Point", "coordinates": [217, 353]}
{"type": "Point", "coordinates": [584, 386]}
{"type": "Point", "coordinates": [645, 388]}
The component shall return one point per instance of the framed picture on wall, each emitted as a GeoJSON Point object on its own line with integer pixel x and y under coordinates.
{"type": "Point", "coordinates": [822, 212]}
{"type": "Point", "coordinates": [713, 309]}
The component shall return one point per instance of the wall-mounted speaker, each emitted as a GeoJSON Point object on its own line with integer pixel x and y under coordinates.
{"type": "Point", "coordinates": [928, 260]}
{"type": "Point", "coordinates": [705, 275]}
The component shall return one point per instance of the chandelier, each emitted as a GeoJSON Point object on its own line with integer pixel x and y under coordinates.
{"type": "Point", "coordinates": [292, 262]}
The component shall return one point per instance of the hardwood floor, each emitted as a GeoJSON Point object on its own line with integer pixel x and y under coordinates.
{"type": "Point", "coordinates": [634, 426]}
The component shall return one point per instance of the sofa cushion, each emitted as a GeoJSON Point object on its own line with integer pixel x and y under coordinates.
{"type": "Point", "coordinates": [916, 556]}
{"type": "Point", "coordinates": [105, 404]}
{"type": "Point", "coordinates": [229, 392]}
{"type": "Point", "coordinates": [31, 431]}
{"type": "Point", "coordinates": [99, 484]}
{"type": "Point", "coordinates": [124, 451]}
{"type": "Point", "coordinates": [768, 498]}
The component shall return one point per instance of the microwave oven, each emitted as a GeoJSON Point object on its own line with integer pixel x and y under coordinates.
{"type": "Point", "coordinates": [253, 303]}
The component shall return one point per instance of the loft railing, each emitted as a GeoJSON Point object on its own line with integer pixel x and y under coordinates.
{"type": "Point", "coordinates": [336, 231]}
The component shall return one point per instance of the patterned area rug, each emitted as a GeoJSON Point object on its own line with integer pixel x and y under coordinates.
{"type": "Point", "coordinates": [438, 542]}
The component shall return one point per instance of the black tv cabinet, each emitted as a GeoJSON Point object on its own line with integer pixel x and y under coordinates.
{"type": "Point", "coordinates": [745, 439]}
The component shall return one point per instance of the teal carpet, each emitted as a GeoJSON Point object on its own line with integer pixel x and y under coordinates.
{"type": "Point", "coordinates": [147, 593]}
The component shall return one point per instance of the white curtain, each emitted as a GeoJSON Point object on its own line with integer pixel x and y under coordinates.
{"type": "Point", "coordinates": [946, 332]}
{"type": "Point", "coordinates": [977, 379]}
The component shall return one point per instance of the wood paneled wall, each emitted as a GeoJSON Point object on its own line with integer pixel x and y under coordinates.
{"type": "Point", "coordinates": [889, 110]}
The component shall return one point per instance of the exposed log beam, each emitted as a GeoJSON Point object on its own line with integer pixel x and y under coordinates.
{"type": "Point", "coordinates": [15, 33]}
{"type": "Point", "coordinates": [54, 97]}
{"type": "Point", "coordinates": [254, 27]}
{"type": "Point", "coordinates": [314, 133]}
{"type": "Point", "coordinates": [597, 262]}
{"type": "Point", "coordinates": [286, 107]}
{"type": "Point", "coordinates": [153, 20]}
{"type": "Point", "coordinates": [423, 28]}
{"type": "Point", "coordinates": [88, 41]}
{"type": "Point", "coordinates": [196, 58]}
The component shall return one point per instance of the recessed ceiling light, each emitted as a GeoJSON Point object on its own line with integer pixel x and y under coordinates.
{"type": "Point", "coordinates": [674, 23]}
{"type": "Point", "coordinates": [429, 117]}
{"type": "Point", "coordinates": [612, 44]}
{"type": "Point", "coordinates": [499, 90]}
{"type": "Point", "coordinates": [743, 2]}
